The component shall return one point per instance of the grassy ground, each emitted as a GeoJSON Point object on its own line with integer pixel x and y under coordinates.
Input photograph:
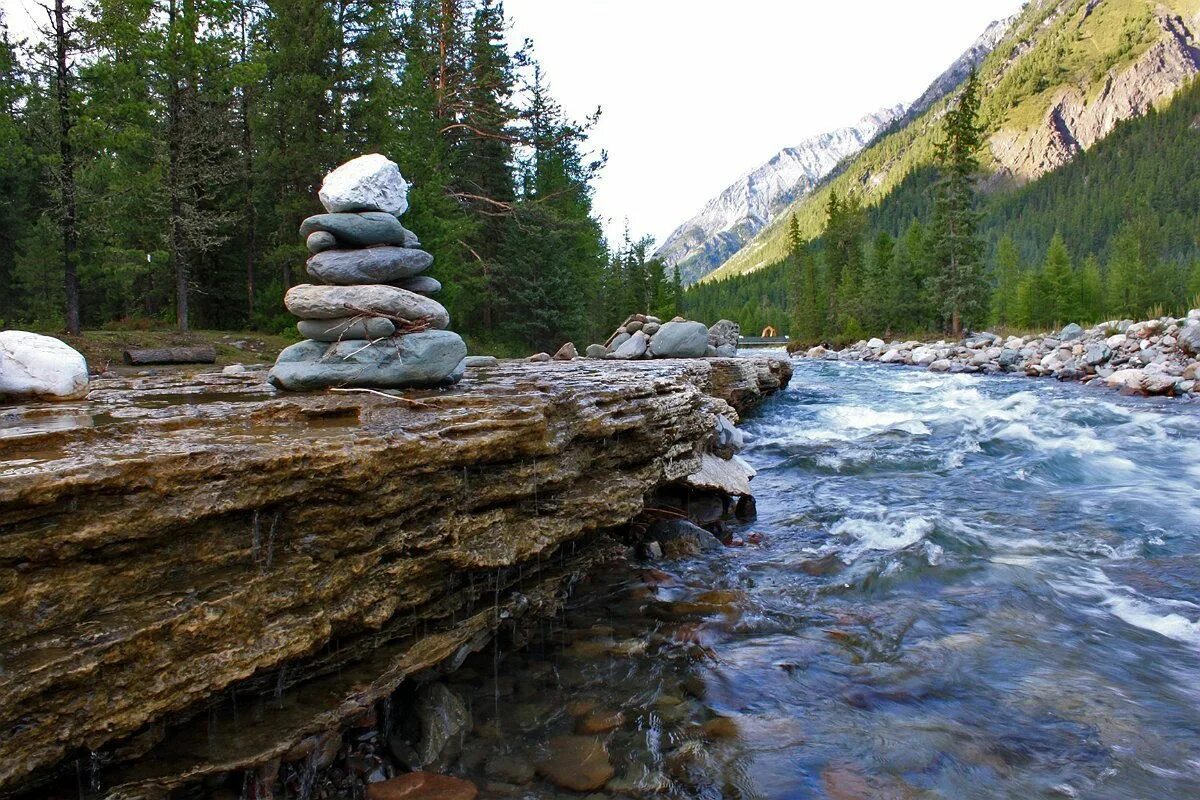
{"type": "Point", "coordinates": [103, 349]}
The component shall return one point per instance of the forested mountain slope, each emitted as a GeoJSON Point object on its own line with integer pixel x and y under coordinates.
{"type": "Point", "coordinates": [1141, 178]}
{"type": "Point", "coordinates": [1061, 79]}
{"type": "Point", "coordinates": [733, 217]}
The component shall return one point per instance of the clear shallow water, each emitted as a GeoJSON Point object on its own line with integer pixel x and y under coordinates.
{"type": "Point", "coordinates": [969, 587]}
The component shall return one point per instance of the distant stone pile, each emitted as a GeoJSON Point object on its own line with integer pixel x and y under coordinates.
{"type": "Point", "coordinates": [643, 336]}
{"type": "Point", "coordinates": [370, 321]}
{"type": "Point", "coordinates": [1152, 357]}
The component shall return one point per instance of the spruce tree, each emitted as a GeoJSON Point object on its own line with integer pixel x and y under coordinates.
{"type": "Point", "coordinates": [956, 247]}
{"type": "Point", "coordinates": [1091, 291]}
{"type": "Point", "coordinates": [1063, 300]}
{"type": "Point", "coordinates": [18, 168]}
{"type": "Point", "coordinates": [1008, 277]}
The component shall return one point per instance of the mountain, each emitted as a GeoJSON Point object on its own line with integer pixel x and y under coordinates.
{"type": "Point", "coordinates": [1059, 80]}
{"type": "Point", "coordinates": [733, 217]}
{"type": "Point", "coordinates": [957, 72]}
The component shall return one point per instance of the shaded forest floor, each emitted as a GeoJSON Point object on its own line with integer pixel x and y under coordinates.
{"type": "Point", "coordinates": [103, 349]}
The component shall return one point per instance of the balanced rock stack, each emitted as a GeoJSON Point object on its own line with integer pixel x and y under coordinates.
{"type": "Point", "coordinates": [369, 321]}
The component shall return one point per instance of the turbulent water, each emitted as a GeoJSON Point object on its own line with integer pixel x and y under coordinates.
{"type": "Point", "coordinates": [967, 587]}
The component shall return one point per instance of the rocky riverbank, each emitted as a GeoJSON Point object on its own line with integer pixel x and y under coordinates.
{"type": "Point", "coordinates": [208, 581]}
{"type": "Point", "coordinates": [1152, 357]}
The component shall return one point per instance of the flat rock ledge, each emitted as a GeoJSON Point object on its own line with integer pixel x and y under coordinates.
{"type": "Point", "coordinates": [174, 550]}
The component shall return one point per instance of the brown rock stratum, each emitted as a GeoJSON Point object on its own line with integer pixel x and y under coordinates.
{"type": "Point", "coordinates": [199, 575]}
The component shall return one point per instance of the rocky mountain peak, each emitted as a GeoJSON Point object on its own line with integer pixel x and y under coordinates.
{"type": "Point", "coordinates": [744, 208]}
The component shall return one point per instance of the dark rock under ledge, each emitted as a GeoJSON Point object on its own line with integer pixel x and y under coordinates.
{"type": "Point", "coordinates": [173, 541]}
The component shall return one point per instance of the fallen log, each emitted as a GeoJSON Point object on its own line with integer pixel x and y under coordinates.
{"type": "Point", "coordinates": [199, 354]}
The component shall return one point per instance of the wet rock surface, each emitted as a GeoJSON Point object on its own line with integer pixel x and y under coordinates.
{"type": "Point", "coordinates": [273, 566]}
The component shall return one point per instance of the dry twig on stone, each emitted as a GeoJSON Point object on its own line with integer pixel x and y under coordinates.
{"type": "Point", "coordinates": [403, 325]}
{"type": "Point", "coordinates": [397, 398]}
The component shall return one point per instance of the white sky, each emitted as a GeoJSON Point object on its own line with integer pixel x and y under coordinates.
{"type": "Point", "coordinates": [698, 92]}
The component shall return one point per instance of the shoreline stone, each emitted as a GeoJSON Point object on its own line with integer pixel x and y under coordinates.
{"type": "Point", "coordinates": [37, 366]}
{"type": "Point", "coordinates": [1158, 357]}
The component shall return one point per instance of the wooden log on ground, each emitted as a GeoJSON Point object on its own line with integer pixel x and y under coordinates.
{"type": "Point", "coordinates": [197, 354]}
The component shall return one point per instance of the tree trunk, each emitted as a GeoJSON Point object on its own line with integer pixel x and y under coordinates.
{"type": "Point", "coordinates": [174, 155]}
{"type": "Point", "coordinates": [199, 354]}
{"type": "Point", "coordinates": [70, 213]}
{"type": "Point", "coordinates": [248, 166]}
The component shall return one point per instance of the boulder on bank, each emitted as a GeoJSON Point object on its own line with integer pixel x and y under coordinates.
{"type": "Point", "coordinates": [680, 339]}
{"type": "Point", "coordinates": [335, 302]}
{"type": "Point", "coordinates": [728, 476]}
{"type": "Point", "coordinates": [370, 182]}
{"type": "Point", "coordinates": [430, 358]}
{"type": "Point", "coordinates": [32, 365]}
{"type": "Point", "coordinates": [596, 351]}
{"type": "Point", "coordinates": [566, 353]}
{"type": "Point", "coordinates": [725, 333]}
{"type": "Point", "coordinates": [369, 265]}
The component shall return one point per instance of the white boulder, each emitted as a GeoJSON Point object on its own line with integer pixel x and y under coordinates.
{"type": "Point", "coordinates": [32, 365]}
{"type": "Point", "coordinates": [367, 183]}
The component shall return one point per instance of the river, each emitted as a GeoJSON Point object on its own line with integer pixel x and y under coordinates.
{"type": "Point", "coordinates": [966, 587]}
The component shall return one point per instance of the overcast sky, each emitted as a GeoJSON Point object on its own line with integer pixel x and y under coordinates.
{"type": "Point", "coordinates": [698, 92]}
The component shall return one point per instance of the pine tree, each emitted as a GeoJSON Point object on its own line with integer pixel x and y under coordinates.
{"type": "Point", "coordinates": [956, 246]}
{"type": "Point", "coordinates": [876, 304]}
{"type": "Point", "coordinates": [1008, 277]}
{"type": "Point", "coordinates": [908, 285]}
{"type": "Point", "coordinates": [1127, 295]}
{"type": "Point", "coordinates": [294, 124]}
{"type": "Point", "coordinates": [18, 169]}
{"type": "Point", "coordinates": [1061, 282]}
{"type": "Point", "coordinates": [1091, 291]}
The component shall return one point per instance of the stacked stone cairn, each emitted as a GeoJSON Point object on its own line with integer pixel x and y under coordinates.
{"type": "Point", "coordinates": [367, 319]}
{"type": "Point", "coordinates": [643, 336]}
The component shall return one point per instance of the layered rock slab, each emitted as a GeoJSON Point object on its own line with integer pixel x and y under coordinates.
{"type": "Point", "coordinates": [168, 542]}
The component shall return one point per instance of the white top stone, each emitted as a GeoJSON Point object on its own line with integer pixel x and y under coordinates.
{"type": "Point", "coordinates": [367, 183]}
{"type": "Point", "coordinates": [32, 365]}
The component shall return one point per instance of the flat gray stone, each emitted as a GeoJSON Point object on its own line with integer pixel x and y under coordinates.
{"type": "Point", "coordinates": [336, 330]}
{"type": "Point", "coordinates": [635, 347]}
{"type": "Point", "coordinates": [618, 340]}
{"type": "Point", "coordinates": [370, 265]}
{"type": "Point", "coordinates": [421, 284]}
{"type": "Point", "coordinates": [431, 358]}
{"type": "Point", "coordinates": [358, 230]}
{"type": "Point", "coordinates": [680, 339]}
{"type": "Point", "coordinates": [307, 301]}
